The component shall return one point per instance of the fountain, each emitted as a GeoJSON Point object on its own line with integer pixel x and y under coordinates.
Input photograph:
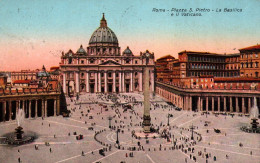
{"type": "Point", "coordinates": [18, 137]}
{"type": "Point", "coordinates": [254, 113]}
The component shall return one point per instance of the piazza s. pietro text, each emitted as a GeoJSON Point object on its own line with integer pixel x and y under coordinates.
{"type": "Point", "coordinates": [127, 82]}
{"type": "Point", "coordinates": [195, 11]}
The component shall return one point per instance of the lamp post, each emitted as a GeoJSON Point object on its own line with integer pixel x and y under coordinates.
{"type": "Point", "coordinates": [117, 140]}
{"type": "Point", "coordinates": [168, 124]}
{"type": "Point", "coordinates": [192, 128]}
{"type": "Point", "coordinates": [110, 118]}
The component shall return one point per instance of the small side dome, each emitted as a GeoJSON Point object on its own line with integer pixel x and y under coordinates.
{"type": "Point", "coordinates": [81, 51]}
{"type": "Point", "coordinates": [127, 52]}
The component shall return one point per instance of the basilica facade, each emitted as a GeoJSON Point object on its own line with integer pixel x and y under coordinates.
{"type": "Point", "coordinates": [101, 67]}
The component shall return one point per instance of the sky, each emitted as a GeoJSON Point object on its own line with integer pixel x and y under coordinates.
{"type": "Point", "coordinates": [35, 32]}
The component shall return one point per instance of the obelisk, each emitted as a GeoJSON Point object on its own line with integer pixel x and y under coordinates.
{"type": "Point", "coordinates": [146, 118]}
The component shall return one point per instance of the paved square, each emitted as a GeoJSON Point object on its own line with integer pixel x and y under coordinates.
{"type": "Point", "coordinates": [92, 110]}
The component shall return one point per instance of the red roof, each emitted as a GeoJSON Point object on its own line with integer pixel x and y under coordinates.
{"type": "Point", "coordinates": [21, 81]}
{"type": "Point", "coordinates": [237, 79]}
{"type": "Point", "coordinates": [255, 47]}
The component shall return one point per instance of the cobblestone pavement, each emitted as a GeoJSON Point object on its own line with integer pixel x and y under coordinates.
{"type": "Point", "coordinates": [89, 117]}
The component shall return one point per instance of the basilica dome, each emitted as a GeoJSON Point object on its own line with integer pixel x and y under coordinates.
{"type": "Point", "coordinates": [103, 34]}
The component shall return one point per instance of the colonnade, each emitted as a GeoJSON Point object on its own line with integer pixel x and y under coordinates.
{"type": "Point", "coordinates": [33, 107]}
{"type": "Point", "coordinates": [215, 102]}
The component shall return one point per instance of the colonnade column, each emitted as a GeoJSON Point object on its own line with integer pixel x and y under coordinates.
{"type": "Point", "coordinates": [42, 107]}
{"type": "Point", "coordinates": [198, 104]}
{"type": "Point", "coordinates": [64, 83]}
{"type": "Point", "coordinates": [190, 102]}
{"type": "Point", "coordinates": [87, 82]}
{"type": "Point", "coordinates": [30, 108]}
{"type": "Point", "coordinates": [218, 104]}
{"type": "Point", "coordinates": [24, 105]}
{"type": "Point", "coordinates": [213, 104]}
{"type": "Point", "coordinates": [4, 110]}
{"type": "Point", "coordinates": [249, 104]}
{"type": "Point", "coordinates": [243, 105]}
{"type": "Point", "coordinates": [131, 82]}
{"type": "Point", "coordinates": [140, 81]}
{"type": "Point", "coordinates": [230, 104]}
{"type": "Point", "coordinates": [120, 82]}
{"type": "Point", "coordinates": [225, 104]}
{"type": "Point", "coordinates": [45, 108]}
{"type": "Point", "coordinates": [96, 82]}
{"type": "Point", "coordinates": [207, 103]}
{"type": "Point", "coordinates": [105, 74]}
{"type": "Point", "coordinates": [36, 108]}
{"type": "Point", "coordinates": [17, 107]}
{"type": "Point", "coordinates": [55, 107]}
{"type": "Point", "coordinates": [58, 106]}
{"type": "Point", "coordinates": [237, 107]}
{"type": "Point", "coordinates": [201, 104]}
{"type": "Point", "coordinates": [114, 81]}
{"type": "Point", "coordinates": [10, 110]}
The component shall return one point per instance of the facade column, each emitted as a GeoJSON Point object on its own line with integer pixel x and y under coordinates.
{"type": "Point", "coordinates": [140, 81]}
{"type": "Point", "coordinates": [123, 81]}
{"type": "Point", "coordinates": [237, 107]}
{"type": "Point", "coordinates": [105, 74]}
{"type": "Point", "coordinates": [87, 82]}
{"type": "Point", "coordinates": [120, 82]}
{"type": "Point", "coordinates": [249, 104]}
{"type": "Point", "coordinates": [213, 104]}
{"type": "Point", "coordinates": [231, 107]}
{"type": "Point", "coordinates": [131, 81]}
{"type": "Point", "coordinates": [243, 105]}
{"type": "Point", "coordinates": [36, 108]}
{"type": "Point", "coordinates": [45, 108]}
{"type": "Point", "coordinates": [225, 104]}
{"type": "Point", "coordinates": [99, 82]}
{"type": "Point", "coordinates": [64, 83]}
{"type": "Point", "coordinates": [96, 83]}
{"type": "Point", "coordinates": [4, 110]}
{"type": "Point", "coordinates": [77, 82]}
{"type": "Point", "coordinates": [114, 82]}
{"type": "Point", "coordinates": [218, 104]}
{"type": "Point", "coordinates": [55, 107]}
{"type": "Point", "coordinates": [207, 103]}
{"type": "Point", "coordinates": [30, 108]}
{"type": "Point", "coordinates": [42, 107]}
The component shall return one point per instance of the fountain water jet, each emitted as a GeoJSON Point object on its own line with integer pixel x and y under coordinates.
{"type": "Point", "coordinates": [18, 137]}
{"type": "Point", "coordinates": [254, 113]}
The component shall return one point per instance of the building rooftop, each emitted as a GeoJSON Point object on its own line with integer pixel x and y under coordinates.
{"type": "Point", "coordinates": [255, 47]}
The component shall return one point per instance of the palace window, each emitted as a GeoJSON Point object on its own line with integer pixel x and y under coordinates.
{"type": "Point", "coordinates": [91, 61]}
{"type": "Point", "coordinates": [102, 74]}
{"type": "Point", "coordinates": [82, 75]}
{"type": "Point", "coordinates": [117, 74]}
{"type": "Point", "coordinates": [110, 74]}
{"type": "Point", "coordinates": [136, 62]}
{"type": "Point", "coordinates": [256, 74]}
{"type": "Point", "coordinates": [256, 64]}
{"type": "Point", "coordinates": [82, 61]}
{"type": "Point", "coordinates": [70, 60]}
